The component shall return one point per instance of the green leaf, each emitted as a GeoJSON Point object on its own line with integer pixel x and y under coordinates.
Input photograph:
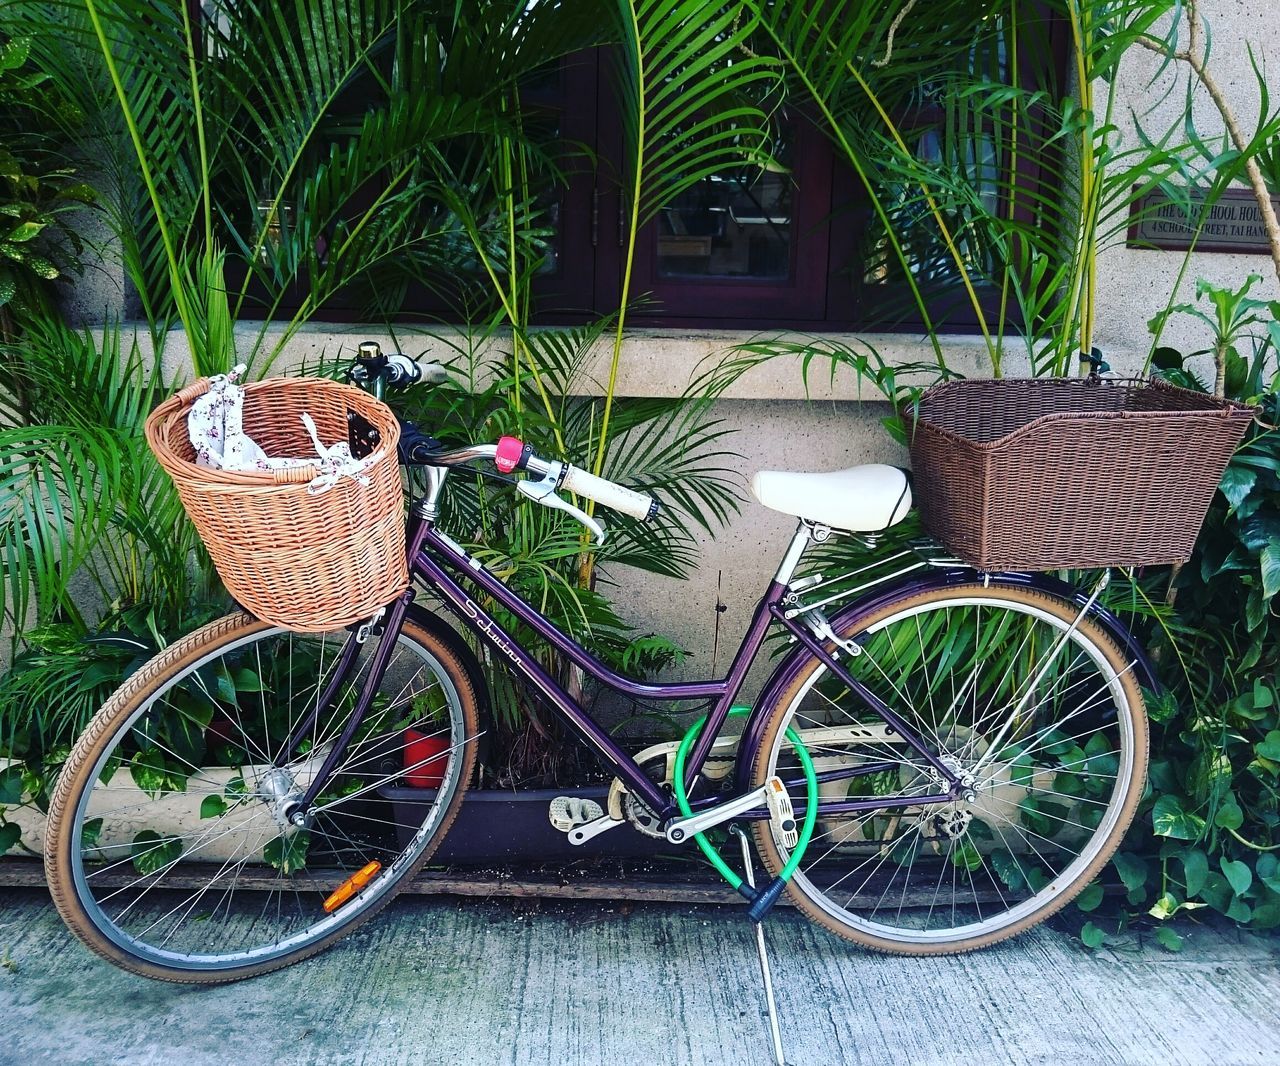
{"type": "Point", "coordinates": [14, 53]}
{"type": "Point", "coordinates": [1092, 936]}
{"type": "Point", "coordinates": [41, 267]}
{"type": "Point", "coordinates": [1022, 769]}
{"type": "Point", "coordinates": [247, 680]}
{"type": "Point", "coordinates": [1007, 869]}
{"type": "Point", "coordinates": [1259, 530]}
{"type": "Point", "coordinates": [1229, 816]}
{"type": "Point", "coordinates": [1091, 898]}
{"type": "Point", "coordinates": [1162, 706]}
{"type": "Point", "coordinates": [80, 192]}
{"type": "Point", "coordinates": [24, 231]}
{"type": "Point", "coordinates": [212, 806]}
{"type": "Point", "coordinates": [154, 774]}
{"type": "Point", "coordinates": [1238, 875]}
{"type": "Point", "coordinates": [1170, 819]}
{"type": "Point", "coordinates": [1269, 746]}
{"type": "Point", "coordinates": [10, 786]}
{"type": "Point", "coordinates": [151, 852]}
{"type": "Point", "coordinates": [1266, 915]}
{"type": "Point", "coordinates": [1268, 871]}
{"type": "Point", "coordinates": [1217, 892]}
{"type": "Point", "coordinates": [1195, 871]}
{"type": "Point", "coordinates": [224, 684]}
{"type": "Point", "coordinates": [1237, 482]}
{"type": "Point", "coordinates": [90, 832]}
{"type": "Point", "coordinates": [966, 857]}
{"type": "Point", "coordinates": [288, 853]}
{"type": "Point", "coordinates": [1269, 561]}
{"type": "Point", "coordinates": [1170, 940]}
{"type": "Point", "coordinates": [1255, 609]}
{"type": "Point", "coordinates": [10, 834]}
{"type": "Point", "coordinates": [1131, 868]}
{"type": "Point", "coordinates": [1165, 907]}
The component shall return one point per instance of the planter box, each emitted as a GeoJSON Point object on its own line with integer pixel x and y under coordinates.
{"type": "Point", "coordinates": [492, 825]}
{"type": "Point", "coordinates": [497, 825]}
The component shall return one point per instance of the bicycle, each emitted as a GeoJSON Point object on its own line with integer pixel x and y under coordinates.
{"type": "Point", "coordinates": [943, 759]}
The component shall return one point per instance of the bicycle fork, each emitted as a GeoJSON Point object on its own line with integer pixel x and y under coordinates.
{"type": "Point", "coordinates": [342, 673]}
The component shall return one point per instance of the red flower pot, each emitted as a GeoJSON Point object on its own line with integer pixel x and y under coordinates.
{"type": "Point", "coordinates": [424, 758]}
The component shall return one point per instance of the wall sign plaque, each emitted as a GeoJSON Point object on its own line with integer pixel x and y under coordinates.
{"type": "Point", "coordinates": [1234, 224]}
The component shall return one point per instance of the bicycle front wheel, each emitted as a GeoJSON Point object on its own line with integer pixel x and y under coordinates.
{"type": "Point", "coordinates": [171, 851]}
{"type": "Point", "coordinates": [1042, 719]}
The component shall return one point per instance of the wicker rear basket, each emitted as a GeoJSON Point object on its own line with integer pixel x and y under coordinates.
{"type": "Point", "coordinates": [1042, 474]}
{"type": "Point", "coordinates": [307, 561]}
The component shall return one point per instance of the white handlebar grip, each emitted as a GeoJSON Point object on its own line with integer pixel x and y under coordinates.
{"type": "Point", "coordinates": [618, 497]}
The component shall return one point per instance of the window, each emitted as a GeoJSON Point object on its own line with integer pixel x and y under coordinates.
{"type": "Point", "coordinates": [799, 246]}
{"type": "Point", "coordinates": [796, 245]}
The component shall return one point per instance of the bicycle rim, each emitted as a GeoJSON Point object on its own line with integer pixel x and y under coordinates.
{"type": "Point", "coordinates": [181, 856]}
{"type": "Point", "coordinates": [1043, 722]}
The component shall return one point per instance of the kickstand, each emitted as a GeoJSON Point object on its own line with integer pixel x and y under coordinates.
{"type": "Point", "coordinates": [765, 972]}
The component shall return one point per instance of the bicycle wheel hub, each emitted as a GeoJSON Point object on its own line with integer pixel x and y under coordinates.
{"type": "Point", "coordinates": [278, 790]}
{"type": "Point", "coordinates": [964, 779]}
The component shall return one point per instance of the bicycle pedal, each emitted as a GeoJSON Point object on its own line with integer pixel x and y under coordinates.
{"type": "Point", "coordinates": [569, 812]}
{"type": "Point", "coordinates": [781, 814]}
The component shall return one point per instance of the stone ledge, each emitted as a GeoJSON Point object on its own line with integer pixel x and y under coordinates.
{"type": "Point", "coordinates": [655, 363]}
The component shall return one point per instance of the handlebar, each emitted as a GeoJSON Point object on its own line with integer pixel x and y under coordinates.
{"type": "Point", "coordinates": [609, 493]}
{"type": "Point", "coordinates": [562, 475]}
{"type": "Point", "coordinates": [374, 371]}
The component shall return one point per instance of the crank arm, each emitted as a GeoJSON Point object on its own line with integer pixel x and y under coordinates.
{"type": "Point", "coordinates": [681, 829]}
{"type": "Point", "coordinates": [590, 830]}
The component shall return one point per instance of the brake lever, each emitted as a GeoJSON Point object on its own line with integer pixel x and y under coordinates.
{"type": "Point", "coordinates": [544, 492]}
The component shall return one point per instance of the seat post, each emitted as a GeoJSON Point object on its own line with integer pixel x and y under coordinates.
{"type": "Point", "coordinates": [791, 560]}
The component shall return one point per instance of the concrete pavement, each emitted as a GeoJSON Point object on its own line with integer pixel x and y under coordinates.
{"type": "Point", "coordinates": [513, 982]}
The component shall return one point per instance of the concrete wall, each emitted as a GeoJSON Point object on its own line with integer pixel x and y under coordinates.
{"type": "Point", "coordinates": [1134, 284]}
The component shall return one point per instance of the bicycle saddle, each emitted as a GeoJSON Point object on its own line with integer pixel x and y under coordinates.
{"type": "Point", "coordinates": [863, 499]}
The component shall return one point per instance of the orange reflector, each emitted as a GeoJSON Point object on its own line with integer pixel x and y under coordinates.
{"type": "Point", "coordinates": [351, 886]}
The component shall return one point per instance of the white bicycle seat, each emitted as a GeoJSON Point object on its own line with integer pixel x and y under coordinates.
{"type": "Point", "coordinates": [863, 499]}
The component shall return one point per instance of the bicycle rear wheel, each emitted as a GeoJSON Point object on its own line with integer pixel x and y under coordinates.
{"type": "Point", "coordinates": [1044, 722]}
{"type": "Point", "coordinates": [170, 850]}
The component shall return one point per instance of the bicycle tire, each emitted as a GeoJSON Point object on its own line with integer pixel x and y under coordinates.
{"type": "Point", "coordinates": [1044, 765]}
{"type": "Point", "coordinates": [164, 682]}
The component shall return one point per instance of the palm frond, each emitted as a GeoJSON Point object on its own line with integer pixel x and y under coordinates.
{"type": "Point", "coordinates": [691, 93]}
{"type": "Point", "coordinates": [57, 489]}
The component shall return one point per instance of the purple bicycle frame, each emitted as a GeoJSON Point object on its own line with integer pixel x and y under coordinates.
{"type": "Point", "coordinates": [433, 555]}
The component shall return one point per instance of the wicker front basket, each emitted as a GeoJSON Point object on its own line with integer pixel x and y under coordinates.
{"type": "Point", "coordinates": [1043, 474]}
{"type": "Point", "coordinates": [308, 561]}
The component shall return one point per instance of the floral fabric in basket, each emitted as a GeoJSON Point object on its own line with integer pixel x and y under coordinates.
{"type": "Point", "coordinates": [215, 425]}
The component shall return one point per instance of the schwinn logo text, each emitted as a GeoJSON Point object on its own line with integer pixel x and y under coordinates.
{"type": "Point", "coordinates": [490, 630]}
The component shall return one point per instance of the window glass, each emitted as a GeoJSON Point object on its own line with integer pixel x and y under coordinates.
{"type": "Point", "coordinates": [734, 224]}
